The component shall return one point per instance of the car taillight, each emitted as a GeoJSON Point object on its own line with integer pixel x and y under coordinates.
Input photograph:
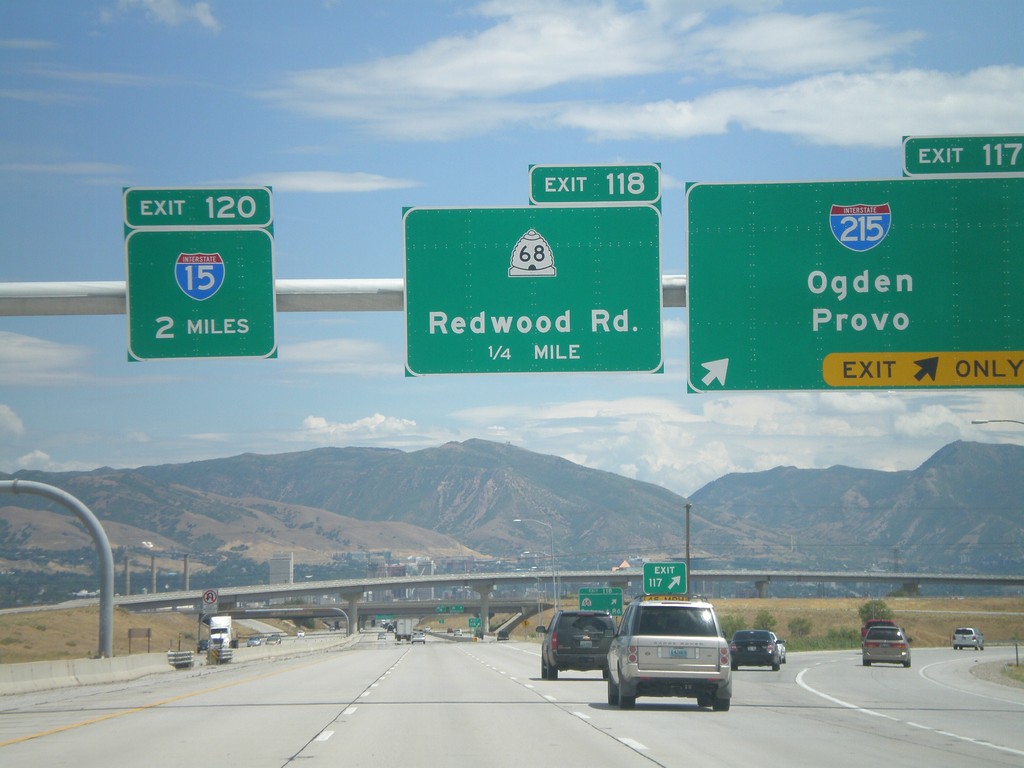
{"type": "Point", "coordinates": [554, 641]}
{"type": "Point", "coordinates": [631, 657]}
{"type": "Point", "coordinates": [724, 658]}
{"type": "Point", "coordinates": [771, 648]}
{"type": "Point", "coordinates": [732, 647]}
{"type": "Point", "coordinates": [871, 645]}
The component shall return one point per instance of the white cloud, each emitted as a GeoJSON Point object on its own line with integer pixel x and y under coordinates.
{"type": "Point", "coordinates": [319, 429]}
{"type": "Point", "coordinates": [328, 181]}
{"type": "Point", "coordinates": [843, 90]}
{"type": "Point", "coordinates": [352, 357]}
{"type": "Point", "coordinates": [10, 423]}
{"type": "Point", "coordinates": [837, 109]}
{"type": "Point", "coordinates": [174, 12]}
{"type": "Point", "coordinates": [30, 362]}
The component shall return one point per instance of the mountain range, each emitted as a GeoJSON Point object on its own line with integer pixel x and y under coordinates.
{"type": "Point", "coordinates": [961, 510]}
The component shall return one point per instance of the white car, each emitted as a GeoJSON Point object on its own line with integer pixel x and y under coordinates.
{"type": "Point", "coordinates": [419, 636]}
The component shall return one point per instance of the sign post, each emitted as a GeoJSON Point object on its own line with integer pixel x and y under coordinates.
{"type": "Point", "coordinates": [533, 290]}
{"type": "Point", "coordinates": [200, 273]}
{"type": "Point", "coordinates": [911, 283]}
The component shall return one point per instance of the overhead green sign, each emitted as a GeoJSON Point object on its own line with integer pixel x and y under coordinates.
{"type": "Point", "coordinates": [595, 184]}
{"type": "Point", "coordinates": [872, 284]}
{"type": "Point", "coordinates": [532, 290]}
{"type": "Point", "coordinates": [601, 599]}
{"type": "Point", "coordinates": [665, 578]}
{"type": "Point", "coordinates": [963, 155]}
{"type": "Point", "coordinates": [200, 273]}
{"type": "Point", "coordinates": [197, 207]}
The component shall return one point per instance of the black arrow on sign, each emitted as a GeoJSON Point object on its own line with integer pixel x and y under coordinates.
{"type": "Point", "coordinates": [928, 366]}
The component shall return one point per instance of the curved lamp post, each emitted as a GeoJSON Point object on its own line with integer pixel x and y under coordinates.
{"type": "Point", "coordinates": [996, 421]}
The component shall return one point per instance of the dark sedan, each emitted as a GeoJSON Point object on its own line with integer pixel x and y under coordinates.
{"type": "Point", "coordinates": [755, 648]}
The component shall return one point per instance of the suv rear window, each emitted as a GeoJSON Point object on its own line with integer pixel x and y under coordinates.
{"type": "Point", "coordinates": [676, 621]}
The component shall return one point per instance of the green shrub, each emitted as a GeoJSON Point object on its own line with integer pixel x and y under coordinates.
{"type": "Point", "coordinates": [799, 627]}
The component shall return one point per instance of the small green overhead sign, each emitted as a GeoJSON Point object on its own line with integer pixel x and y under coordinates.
{"type": "Point", "coordinates": [963, 155]}
{"type": "Point", "coordinates": [533, 290]}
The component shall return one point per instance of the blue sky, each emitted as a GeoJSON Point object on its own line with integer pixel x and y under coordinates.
{"type": "Point", "coordinates": [352, 110]}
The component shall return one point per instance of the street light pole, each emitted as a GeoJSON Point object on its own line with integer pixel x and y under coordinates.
{"type": "Point", "coordinates": [551, 536]}
{"type": "Point", "coordinates": [689, 573]}
{"type": "Point", "coordinates": [996, 421]}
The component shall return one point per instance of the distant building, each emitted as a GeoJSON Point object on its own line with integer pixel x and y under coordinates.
{"type": "Point", "coordinates": [282, 568]}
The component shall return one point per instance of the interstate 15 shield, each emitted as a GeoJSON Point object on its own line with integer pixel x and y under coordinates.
{"type": "Point", "coordinates": [199, 275]}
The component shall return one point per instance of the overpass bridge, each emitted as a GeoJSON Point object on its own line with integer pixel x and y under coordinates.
{"type": "Point", "coordinates": [364, 594]}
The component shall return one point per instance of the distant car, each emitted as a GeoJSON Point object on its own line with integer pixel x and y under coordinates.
{"type": "Point", "coordinates": [300, 633]}
{"type": "Point", "coordinates": [502, 634]}
{"type": "Point", "coordinates": [203, 646]}
{"type": "Point", "coordinates": [253, 641]}
{"type": "Point", "coordinates": [419, 636]}
{"type": "Point", "coordinates": [782, 649]}
{"type": "Point", "coordinates": [755, 648]}
{"type": "Point", "coordinates": [382, 635]}
{"type": "Point", "coordinates": [576, 640]}
{"type": "Point", "coordinates": [669, 648]}
{"type": "Point", "coordinates": [968, 637]}
{"type": "Point", "coordinates": [457, 633]}
{"type": "Point", "coordinates": [876, 623]}
{"type": "Point", "coordinates": [274, 639]}
{"type": "Point", "coordinates": [885, 644]}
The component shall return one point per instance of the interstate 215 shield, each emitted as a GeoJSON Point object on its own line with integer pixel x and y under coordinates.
{"type": "Point", "coordinates": [860, 227]}
{"type": "Point", "coordinates": [199, 275]}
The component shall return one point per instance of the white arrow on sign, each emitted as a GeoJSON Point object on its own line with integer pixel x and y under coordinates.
{"type": "Point", "coordinates": [716, 369]}
{"type": "Point", "coordinates": [676, 581]}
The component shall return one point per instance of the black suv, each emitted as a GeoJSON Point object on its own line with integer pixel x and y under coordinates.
{"type": "Point", "coordinates": [576, 640]}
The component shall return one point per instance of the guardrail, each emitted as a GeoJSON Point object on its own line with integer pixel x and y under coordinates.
{"type": "Point", "coordinates": [181, 659]}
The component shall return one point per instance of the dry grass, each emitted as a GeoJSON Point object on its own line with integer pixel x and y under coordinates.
{"type": "Point", "coordinates": [74, 633]}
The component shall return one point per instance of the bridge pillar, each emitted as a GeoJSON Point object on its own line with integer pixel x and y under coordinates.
{"type": "Point", "coordinates": [911, 588]}
{"type": "Point", "coordinates": [352, 599]}
{"type": "Point", "coordinates": [762, 587]}
{"type": "Point", "coordinates": [484, 589]}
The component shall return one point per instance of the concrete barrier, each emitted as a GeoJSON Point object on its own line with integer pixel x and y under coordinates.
{"type": "Point", "coordinates": [44, 675]}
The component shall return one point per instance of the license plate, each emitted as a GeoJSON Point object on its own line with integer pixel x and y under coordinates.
{"type": "Point", "coordinates": [883, 645]}
{"type": "Point", "coordinates": [682, 653]}
{"type": "Point", "coordinates": [752, 648]}
{"type": "Point", "coordinates": [586, 644]}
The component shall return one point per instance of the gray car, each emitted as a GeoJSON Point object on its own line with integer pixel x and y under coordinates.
{"type": "Point", "coordinates": [576, 640]}
{"type": "Point", "coordinates": [885, 644]}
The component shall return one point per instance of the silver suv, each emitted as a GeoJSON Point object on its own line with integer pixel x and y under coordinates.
{"type": "Point", "coordinates": [667, 647]}
{"type": "Point", "coordinates": [968, 637]}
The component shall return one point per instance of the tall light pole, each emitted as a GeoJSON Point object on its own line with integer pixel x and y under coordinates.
{"type": "Point", "coordinates": [551, 535]}
{"type": "Point", "coordinates": [996, 421]}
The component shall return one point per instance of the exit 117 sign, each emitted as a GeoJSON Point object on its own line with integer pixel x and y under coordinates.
{"type": "Point", "coordinates": [902, 283]}
{"type": "Point", "coordinates": [665, 578]}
